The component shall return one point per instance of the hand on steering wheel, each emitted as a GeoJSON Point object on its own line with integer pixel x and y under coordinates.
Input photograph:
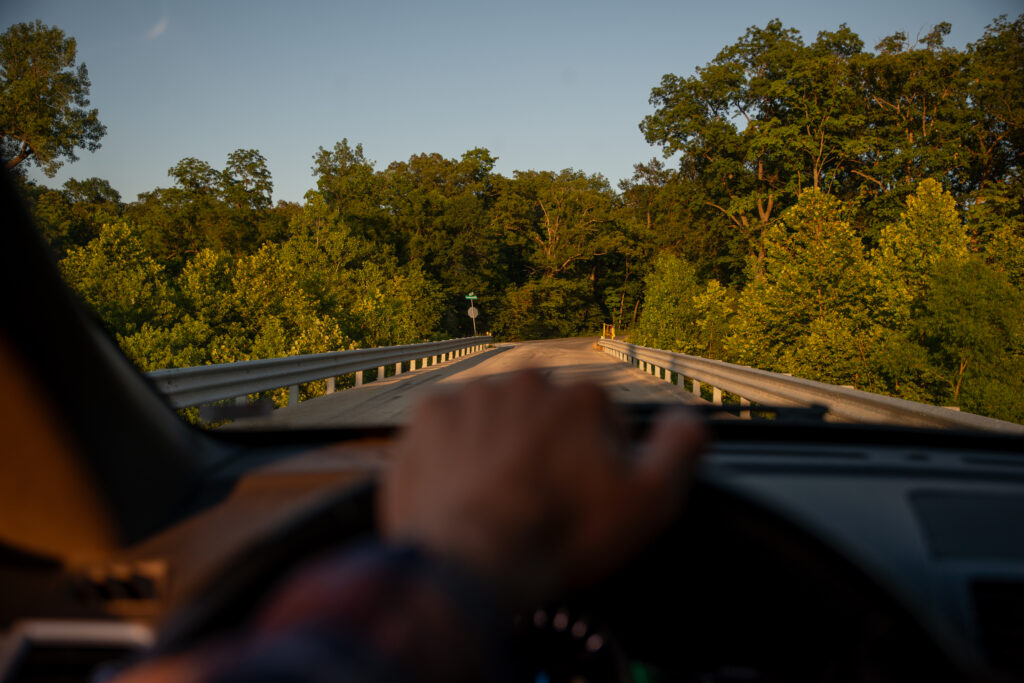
{"type": "Point", "coordinates": [534, 486]}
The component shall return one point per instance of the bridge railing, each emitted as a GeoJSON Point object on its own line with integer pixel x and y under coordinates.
{"type": "Point", "coordinates": [207, 383]}
{"type": "Point", "coordinates": [770, 388]}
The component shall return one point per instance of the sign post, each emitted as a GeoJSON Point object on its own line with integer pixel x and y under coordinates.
{"type": "Point", "coordinates": [473, 310]}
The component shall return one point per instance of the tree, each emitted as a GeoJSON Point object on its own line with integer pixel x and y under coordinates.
{"type": "Point", "coordinates": [347, 181]}
{"type": "Point", "coordinates": [246, 180]}
{"type": "Point", "coordinates": [44, 99]}
{"type": "Point", "coordinates": [438, 210]}
{"type": "Point", "coordinates": [393, 305]}
{"type": "Point", "coordinates": [970, 320]}
{"type": "Point", "coordinates": [116, 278]}
{"type": "Point", "coordinates": [680, 315]}
{"type": "Point", "coordinates": [669, 318]}
{"type": "Point", "coordinates": [560, 220]}
{"type": "Point", "coordinates": [722, 122]}
{"type": "Point", "coordinates": [808, 314]}
{"type": "Point", "coordinates": [225, 210]}
{"type": "Point", "coordinates": [72, 216]}
{"type": "Point", "coordinates": [927, 232]}
{"type": "Point", "coordinates": [654, 215]}
{"type": "Point", "coordinates": [543, 308]}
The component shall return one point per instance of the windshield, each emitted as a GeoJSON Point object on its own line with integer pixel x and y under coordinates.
{"type": "Point", "coordinates": [827, 196]}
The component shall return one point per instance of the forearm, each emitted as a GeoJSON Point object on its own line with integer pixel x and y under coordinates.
{"type": "Point", "coordinates": [374, 614]}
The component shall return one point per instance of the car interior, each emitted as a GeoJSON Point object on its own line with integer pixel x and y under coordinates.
{"type": "Point", "coordinates": [808, 550]}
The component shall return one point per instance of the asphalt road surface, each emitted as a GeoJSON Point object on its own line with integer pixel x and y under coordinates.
{"type": "Point", "coordinates": [390, 401]}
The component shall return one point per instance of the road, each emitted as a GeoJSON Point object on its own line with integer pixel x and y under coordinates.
{"type": "Point", "coordinates": [390, 401]}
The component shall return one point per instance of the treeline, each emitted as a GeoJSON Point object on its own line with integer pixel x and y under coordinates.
{"type": "Point", "coordinates": [920, 316]}
{"type": "Point", "coordinates": [842, 214]}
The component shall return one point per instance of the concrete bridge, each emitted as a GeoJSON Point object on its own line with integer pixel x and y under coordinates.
{"type": "Point", "coordinates": [389, 401]}
{"type": "Point", "coordinates": [630, 373]}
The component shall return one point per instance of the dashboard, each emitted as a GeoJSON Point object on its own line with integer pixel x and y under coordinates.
{"type": "Point", "coordinates": [830, 561]}
{"type": "Point", "coordinates": [826, 553]}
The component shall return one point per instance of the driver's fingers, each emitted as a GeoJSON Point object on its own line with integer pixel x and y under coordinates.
{"type": "Point", "coordinates": [669, 455]}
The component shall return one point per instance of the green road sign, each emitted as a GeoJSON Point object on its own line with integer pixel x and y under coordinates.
{"type": "Point", "coordinates": [471, 295]}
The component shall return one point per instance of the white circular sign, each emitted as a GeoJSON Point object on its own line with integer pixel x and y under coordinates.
{"type": "Point", "coordinates": [473, 311]}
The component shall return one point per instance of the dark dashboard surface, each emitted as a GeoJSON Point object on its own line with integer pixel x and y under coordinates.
{"type": "Point", "coordinates": [809, 551]}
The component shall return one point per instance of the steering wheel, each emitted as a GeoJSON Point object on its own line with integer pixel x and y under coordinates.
{"type": "Point", "coordinates": [731, 591]}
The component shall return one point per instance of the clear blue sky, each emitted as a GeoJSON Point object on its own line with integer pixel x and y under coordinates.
{"type": "Point", "coordinates": [543, 85]}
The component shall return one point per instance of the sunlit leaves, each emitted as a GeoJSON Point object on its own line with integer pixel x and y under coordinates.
{"type": "Point", "coordinates": [122, 284]}
{"type": "Point", "coordinates": [44, 99]}
{"type": "Point", "coordinates": [680, 314]}
{"type": "Point", "coordinates": [927, 232]}
{"type": "Point", "coordinates": [811, 298]}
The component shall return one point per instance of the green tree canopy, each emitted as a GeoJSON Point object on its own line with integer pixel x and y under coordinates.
{"type": "Point", "coordinates": [681, 315]}
{"type": "Point", "coordinates": [807, 314]}
{"type": "Point", "coordinates": [929, 231]}
{"type": "Point", "coordinates": [226, 210]}
{"type": "Point", "coordinates": [115, 276]}
{"type": "Point", "coordinates": [44, 99]}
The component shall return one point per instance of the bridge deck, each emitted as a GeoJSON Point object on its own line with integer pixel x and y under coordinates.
{"type": "Point", "coordinates": [391, 400]}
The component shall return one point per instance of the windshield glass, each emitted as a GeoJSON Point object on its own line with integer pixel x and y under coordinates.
{"type": "Point", "coordinates": [827, 196]}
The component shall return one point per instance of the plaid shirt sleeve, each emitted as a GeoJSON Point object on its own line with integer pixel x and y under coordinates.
{"type": "Point", "coordinates": [378, 613]}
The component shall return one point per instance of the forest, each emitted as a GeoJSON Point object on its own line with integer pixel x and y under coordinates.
{"type": "Point", "coordinates": [840, 213]}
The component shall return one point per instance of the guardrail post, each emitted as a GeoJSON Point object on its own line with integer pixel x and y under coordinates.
{"type": "Point", "coordinates": [423, 363]}
{"type": "Point", "coordinates": [380, 373]}
{"type": "Point", "coordinates": [412, 365]}
{"type": "Point", "coordinates": [668, 375]}
{"type": "Point", "coordinates": [293, 395]}
{"type": "Point", "coordinates": [241, 400]}
{"type": "Point", "coordinates": [435, 360]}
{"type": "Point", "coordinates": [744, 414]}
{"type": "Point", "coordinates": [716, 396]}
{"type": "Point", "coordinates": [330, 385]}
{"type": "Point", "coordinates": [359, 379]}
{"type": "Point", "coordinates": [696, 388]}
{"type": "Point", "coordinates": [398, 368]}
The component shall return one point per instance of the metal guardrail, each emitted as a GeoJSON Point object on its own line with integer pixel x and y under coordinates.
{"type": "Point", "coordinates": [207, 383]}
{"type": "Point", "coordinates": [771, 388]}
